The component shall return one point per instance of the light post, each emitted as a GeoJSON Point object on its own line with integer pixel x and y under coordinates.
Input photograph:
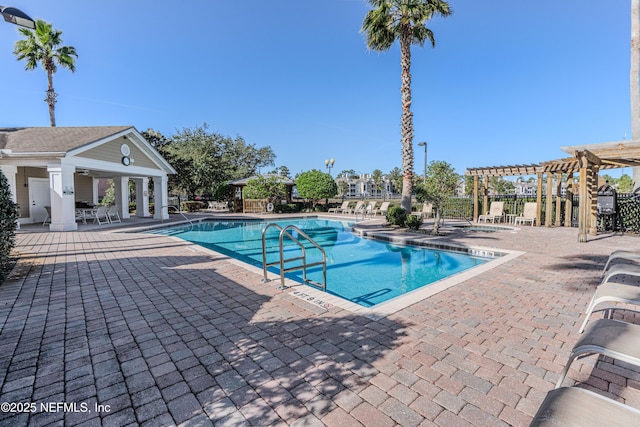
{"type": "Point", "coordinates": [329, 164]}
{"type": "Point", "coordinates": [17, 17]}
{"type": "Point", "coordinates": [424, 144]}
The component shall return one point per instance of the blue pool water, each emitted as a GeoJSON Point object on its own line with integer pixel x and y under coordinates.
{"type": "Point", "coordinates": [364, 271]}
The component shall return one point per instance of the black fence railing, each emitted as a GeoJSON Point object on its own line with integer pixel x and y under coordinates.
{"type": "Point", "coordinates": [626, 217]}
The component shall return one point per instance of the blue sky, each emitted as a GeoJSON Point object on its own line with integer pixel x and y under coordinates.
{"type": "Point", "coordinates": [509, 82]}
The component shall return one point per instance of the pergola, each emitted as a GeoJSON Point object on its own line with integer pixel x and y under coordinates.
{"type": "Point", "coordinates": [587, 161]}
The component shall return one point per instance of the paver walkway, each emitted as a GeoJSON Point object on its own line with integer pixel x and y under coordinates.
{"type": "Point", "coordinates": [138, 329]}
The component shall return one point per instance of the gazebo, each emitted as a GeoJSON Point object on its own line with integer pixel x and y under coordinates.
{"type": "Point", "coordinates": [587, 161]}
{"type": "Point", "coordinates": [237, 188]}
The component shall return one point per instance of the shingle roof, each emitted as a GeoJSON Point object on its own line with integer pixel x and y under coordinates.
{"type": "Point", "coordinates": [53, 139]}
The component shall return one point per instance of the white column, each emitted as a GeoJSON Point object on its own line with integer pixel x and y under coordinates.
{"type": "Point", "coordinates": [63, 207]}
{"type": "Point", "coordinates": [10, 172]}
{"type": "Point", "coordinates": [95, 191]}
{"type": "Point", "coordinates": [160, 197]}
{"type": "Point", "coordinates": [121, 184]}
{"type": "Point", "coordinates": [142, 197]}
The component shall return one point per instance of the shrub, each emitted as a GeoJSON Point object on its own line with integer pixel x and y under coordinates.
{"type": "Point", "coordinates": [397, 216]}
{"type": "Point", "coordinates": [8, 217]}
{"type": "Point", "coordinates": [191, 206]}
{"type": "Point", "coordinates": [414, 221]}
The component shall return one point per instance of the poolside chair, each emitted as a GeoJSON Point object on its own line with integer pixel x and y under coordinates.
{"type": "Point", "coordinates": [528, 215]}
{"type": "Point", "coordinates": [382, 210]}
{"type": "Point", "coordinates": [99, 215]}
{"type": "Point", "coordinates": [627, 269]}
{"type": "Point", "coordinates": [113, 215]}
{"type": "Point", "coordinates": [611, 338]}
{"type": "Point", "coordinates": [47, 219]}
{"type": "Point", "coordinates": [573, 406]}
{"type": "Point", "coordinates": [621, 254]}
{"type": "Point", "coordinates": [612, 292]}
{"type": "Point", "coordinates": [371, 207]}
{"type": "Point", "coordinates": [359, 207]}
{"type": "Point", "coordinates": [426, 212]}
{"type": "Point", "coordinates": [342, 208]}
{"type": "Point", "coordinates": [496, 211]}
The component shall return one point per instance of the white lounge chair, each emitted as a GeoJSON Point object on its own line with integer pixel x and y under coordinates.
{"type": "Point", "coordinates": [358, 208]}
{"type": "Point", "coordinates": [371, 207]}
{"type": "Point", "coordinates": [529, 214]}
{"type": "Point", "coordinates": [342, 208]}
{"type": "Point", "coordinates": [383, 209]}
{"type": "Point", "coordinates": [621, 254]}
{"type": "Point", "coordinates": [626, 269]}
{"type": "Point", "coordinates": [612, 292]}
{"type": "Point", "coordinates": [573, 406]}
{"type": "Point", "coordinates": [113, 215]}
{"type": "Point", "coordinates": [47, 219]}
{"type": "Point", "coordinates": [426, 212]}
{"type": "Point", "coordinates": [496, 211]}
{"type": "Point", "coordinates": [611, 338]}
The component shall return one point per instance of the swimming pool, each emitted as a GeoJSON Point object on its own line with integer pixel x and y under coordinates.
{"type": "Point", "coordinates": [365, 271]}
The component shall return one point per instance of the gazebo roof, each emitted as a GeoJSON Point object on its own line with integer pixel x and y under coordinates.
{"type": "Point", "coordinates": [282, 179]}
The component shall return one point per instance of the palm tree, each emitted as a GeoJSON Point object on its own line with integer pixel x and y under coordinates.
{"type": "Point", "coordinates": [43, 46]}
{"type": "Point", "coordinates": [403, 20]}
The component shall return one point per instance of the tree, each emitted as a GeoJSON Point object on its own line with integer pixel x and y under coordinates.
{"type": "Point", "coordinates": [204, 159]}
{"type": "Point", "coordinates": [625, 184]}
{"type": "Point", "coordinates": [316, 185]}
{"type": "Point", "coordinates": [403, 20]}
{"type": "Point", "coordinates": [270, 188]}
{"type": "Point", "coordinates": [347, 173]}
{"type": "Point", "coordinates": [442, 183]}
{"type": "Point", "coordinates": [343, 188]}
{"type": "Point", "coordinates": [378, 180]}
{"type": "Point", "coordinates": [8, 217]}
{"type": "Point", "coordinates": [395, 177]}
{"type": "Point", "coordinates": [44, 46]}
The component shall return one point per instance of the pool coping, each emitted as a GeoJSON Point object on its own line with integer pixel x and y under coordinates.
{"type": "Point", "coordinates": [327, 300]}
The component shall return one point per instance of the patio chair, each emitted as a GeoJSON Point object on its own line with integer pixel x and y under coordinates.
{"type": "Point", "coordinates": [359, 207]}
{"type": "Point", "coordinates": [621, 254]}
{"type": "Point", "coordinates": [383, 209]}
{"type": "Point", "coordinates": [610, 338]}
{"type": "Point", "coordinates": [573, 406]}
{"type": "Point", "coordinates": [627, 269]}
{"type": "Point", "coordinates": [426, 212]}
{"type": "Point", "coordinates": [371, 207]}
{"type": "Point", "coordinates": [496, 211]}
{"type": "Point", "coordinates": [47, 219]}
{"type": "Point", "coordinates": [529, 214]}
{"type": "Point", "coordinates": [612, 292]}
{"type": "Point", "coordinates": [342, 208]}
{"type": "Point", "coordinates": [113, 215]}
{"type": "Point", "coordinates": [99, 215]}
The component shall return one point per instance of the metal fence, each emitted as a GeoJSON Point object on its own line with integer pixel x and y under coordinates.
{"type": "Point", "coordinates": [627, 217]}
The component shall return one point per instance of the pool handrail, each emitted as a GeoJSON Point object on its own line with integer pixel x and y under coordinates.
{"type": "Point", "coordinates": [281, 261]}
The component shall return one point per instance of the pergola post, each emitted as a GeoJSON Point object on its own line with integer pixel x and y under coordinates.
{"type": "Point", "coordinates": [568, 204]}
{"type": "Point", "coordinates": [588, 194]}
{"type": "Point", "coordinates": [485, 197]}
{"type": "Point", "coordinates": [548, 212]}
{"type": "Point", "coordinates": [539, 201]}
{"type": "Point", "coordinates": [558, 199]}
{"type": "Point", "coordinates": [593, 200]}
{"type": "Point", "coordinates": [475, 198]}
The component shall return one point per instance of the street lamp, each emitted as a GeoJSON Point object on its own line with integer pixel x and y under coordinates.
{"type": "Point", "coordinates": [424, 144]}
{"type": "Point", "coordinates": [329, 164]}
{"type": "Point", "coordinates": [17, 17]}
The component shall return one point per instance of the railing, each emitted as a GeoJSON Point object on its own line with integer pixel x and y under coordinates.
{"type": "Point", "coordinates": [254, 205]}
{"type": "Point", "coordinates": [284, 232]}
{"type": "Point", "coordinates": [178, 211]}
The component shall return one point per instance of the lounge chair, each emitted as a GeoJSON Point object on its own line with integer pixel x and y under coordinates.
{"type": "Point", "coordinates": [359, 207]}
{"type": "Point", "coordinates": [621, 254]}
{"type": "Point", "coordinates": [426, 212]}
{"type": "Point", "coordinates": [99, 215]}
{"type": "Point", "coordinates": [113, 215]}
{"type": "Point", "coordinates": [496, 211]}
{"type": "Point", "coordinates": [612, 292]}
{"type": "Point", "coordinates": [47, 219]}
{"type": "Point", "coordinates": [342, 208]}
{"type": "Point", "coordinates": [573, 406]}
{"type": "Point", "coordinates": [627, 269]}
{"type": "Point", "coordinates": [528, 215]}
{"type": "Point", "coordinates": [611, 338]}
{"type": "Point", "coordinates": [371, 207]}
{"type": "Point", "coordinates": [383, 209]}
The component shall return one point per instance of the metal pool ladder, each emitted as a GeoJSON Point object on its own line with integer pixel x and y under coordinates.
{"type": "Point", "coordinates": [284, 232]}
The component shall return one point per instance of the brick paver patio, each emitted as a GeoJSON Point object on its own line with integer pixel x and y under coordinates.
{"type": "Point", "coordinates": [139, 329]}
